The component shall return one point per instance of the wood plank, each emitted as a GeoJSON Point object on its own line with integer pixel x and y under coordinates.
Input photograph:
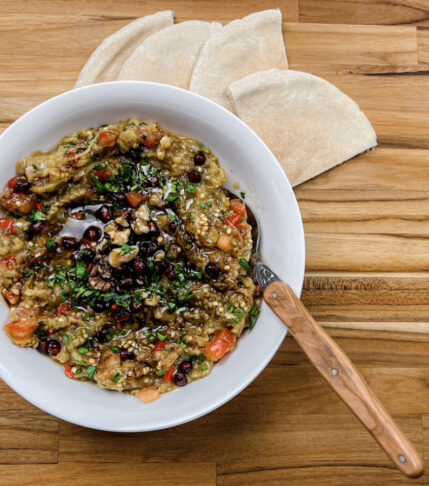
{"type": "Point", "coordinates": [425, 422]}
{"type": "Point", "coordinates": [9, 400]}
{"type": "Point", "coordinates": [358, 211]}
{"type": "Point", "coordinates": [338, 475]}
{"type": "Point", "coordinates": [385, 12]}
{"type": "Point", "coordinates": [27, 437]}
{"type": "Point", "coordinates": [423, 45]}
{"type": "Point", "coordinates": [381, 169]}
{"type": "Point", "coordinates": [367, 349]}
{"type": "Point", "coordinates": [337, 46]}
{"type": "Point", "coordinates": [172, 474]}
{"type": "Point", "coordinates": [269, 438]}
{"type": "Point", "coordinates": [130, 9]}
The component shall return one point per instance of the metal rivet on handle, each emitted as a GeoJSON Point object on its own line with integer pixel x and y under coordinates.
{"type": "Point", "coordinates": [274, 295]}
{"type": "Point", "coordinates": [402, 458]}
{"type": "Point", "coordinates": [334, 372]}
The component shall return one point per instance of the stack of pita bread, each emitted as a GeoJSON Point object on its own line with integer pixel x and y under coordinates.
{"type": "Point", "coordinates": [309, 124]}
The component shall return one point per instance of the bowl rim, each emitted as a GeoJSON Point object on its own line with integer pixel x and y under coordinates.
{"type": "Point", "coordinates": [7, 376]}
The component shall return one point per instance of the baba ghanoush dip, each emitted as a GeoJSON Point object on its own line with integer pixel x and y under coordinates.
{"type": "Point", "coordinates": [124, 259]}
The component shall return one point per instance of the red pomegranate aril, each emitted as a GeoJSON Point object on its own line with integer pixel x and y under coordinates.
{"type": "Point", "coordinates": [136, 306]}
{"type": "Point", "coordinates": [185, 366]}
{"type": "Point", "coordinates": [21, 185]}
{"type": "Point", "coordinates": [125, 354]}
{"type": "Point", "coordinates": [43, 346]}
{"type": "Point", "coordinates": [36, 227]}
{"type": "Point", "coordinates": [69, 243]}
{"type": "Point", "coordinates": [194, 176]}
{"type": "Point", "coordinates": [93, 233]}
{"type": "Point", "coordinates": [153, 228]}
{"type": "Point", "coordinates": [54, 347]}
{"type": "Point", "coordinates": [180, 379]}
{"type": "Point", "coordinates": [200, 158]}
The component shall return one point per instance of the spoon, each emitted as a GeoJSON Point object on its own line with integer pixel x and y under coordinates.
{"type": "Point", "coordinates": [332, 363]}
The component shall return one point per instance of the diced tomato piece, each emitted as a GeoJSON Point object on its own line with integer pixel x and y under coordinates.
{"type": "Point", "coordinates": [148, 395]}
{"type": "Point", "coordinates": [62, 309]}
{"type": "Point", "coordinates": [234, 219]}
{"type": "Point", "coordinates": [20, 332]}
{"type": "Point", "coordinates": [31, 259]}
{"type": "Point", "coordinates": [220, 345]}
{"type": "Point", "coordinates": [68, 370]}
{"type": "Point", "coordinates": [103, 175]}
{"type": "Point", "coordinates": [71, 154]}
{"type": "Point", "coordinates": [19, 203]}
{"type": "Point", "coordinates": [135, 198]}
{"type": "Point", "coordinates": [6, 226]}
{"type": "Point", "coordinates": [148, 138]}
{"type": "Point", "coordinates": [8, 262]}
{"type": "Point", "coordinates": [11, 182]}
{"type": "Point", "coordinates": [12, 298]}
{"type": "Point", "coordinates": [159, 346]}
{"type": "Point", "coordinates": [107, 138]}
{"type": "Point", "coordinates": [168, 377]}
{"type": "Point", "coordinates": [238, 207]}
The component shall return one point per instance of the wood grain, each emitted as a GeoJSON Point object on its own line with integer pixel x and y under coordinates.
{"type": "Point", "coordinates": [109, 474]}
{"type": "Point", "coordinates": [343, 377]}
{"type": "Point", "coordinates": [288, 426]}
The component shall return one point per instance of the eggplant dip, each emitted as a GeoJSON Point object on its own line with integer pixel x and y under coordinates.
{"type": "Point", "coordinates": [123, 258]}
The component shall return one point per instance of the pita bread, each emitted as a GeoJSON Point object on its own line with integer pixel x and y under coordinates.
{"type": "Point", "coordinates": [243, 46]}
{"type": "Point", "coordinates": [308, 123]}
{"type": "Point", "coordinates": [107, 59]}
{"type": "Point", "coordinates": [169, 56]}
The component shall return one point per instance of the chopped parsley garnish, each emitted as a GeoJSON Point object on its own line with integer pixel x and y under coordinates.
{"type": "Point", "coordinates": [36, 215]}
{"type": "Point", "coordinates": [117, 377]}
{"type": "Point", "coordinates": [126, 249]}
{"type": "Point", "coordinates": [115, 349]}
{"type": "Point", "coordinates": [243, 195]}
{"type": "Point", "coordinates": [253, 316]}
{"type": "Point", "coordinates": [50, 244]}
{"type": "Point", "coordinates": [160, 372]}
{"type": "Point", "coordinates": [160, 336]}
{"type": "Point", "coordinates": [90, 371]}
{"type": "Point", "coordinates": [204, 149]}
{"type": "Point", "coordinates": [245, 264]}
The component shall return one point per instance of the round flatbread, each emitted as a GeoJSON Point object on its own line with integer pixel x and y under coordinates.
{"type": "Point", "coordinates": [308, 123]}
{"type": "Point", "coordinates": [243, 46]}
{"type": "Point", "coordinates": [169, 56]}
{"type": "Point", "coordinates": [107, 59]}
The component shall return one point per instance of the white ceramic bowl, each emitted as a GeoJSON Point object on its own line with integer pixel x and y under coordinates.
{"type": "Point", "coordinates": [247, 160]}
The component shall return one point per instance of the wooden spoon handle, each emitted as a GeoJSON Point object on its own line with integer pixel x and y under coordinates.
{"type": "Point", "coordinates": [344, 378]}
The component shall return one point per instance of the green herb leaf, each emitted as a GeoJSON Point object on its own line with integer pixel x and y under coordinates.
{"type": "Point", "coordinates": [80, 269]}
{"type": "Point", "coordinates": [160, 336]}
{"type": "Point", "coordinates": [245, 264]}
{"type": "Point", "coordinates": [115, 349]}
{"type": "Point", "coordinates": [160, 372]}
{"type": "Point", "coordinates": [254, 313]}
{"type": "Point", "coordinates": [90, 371]}
{"type": "Point", "coordinates": [117, 377]}
{"type": "Point", "coordinates": [204, 149]}
{"type": "Point", "coordinates": [37, 215]}
{"type": "Point", "coordinates": [50, 244]}
{"type": "Point", "coordinates": [126, 249]}
{"type": "Point", "coordinates": [172, 196]}
{"type": "Point", "coordinates": [82, 350]}
{"type": "Point", "coordinates": [204, 368]}
{"type": "Point", "coordinates": [243, 195]}
{"type": "Point", "coordinates": [66, 338]}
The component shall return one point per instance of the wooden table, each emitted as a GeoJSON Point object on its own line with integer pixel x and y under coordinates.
{"type": "Point", "coordinates": [367, 228]}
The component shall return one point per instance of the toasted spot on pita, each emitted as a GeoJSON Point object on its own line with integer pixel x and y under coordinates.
{"type": "Point", "coordinates": [243, 46]}
{"type": "Point", "coordinates": [308, 123]}
{"type": "Point", "coordinates": [107, 59]}
{"type": "Point", "coordinates": [169, 56]}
